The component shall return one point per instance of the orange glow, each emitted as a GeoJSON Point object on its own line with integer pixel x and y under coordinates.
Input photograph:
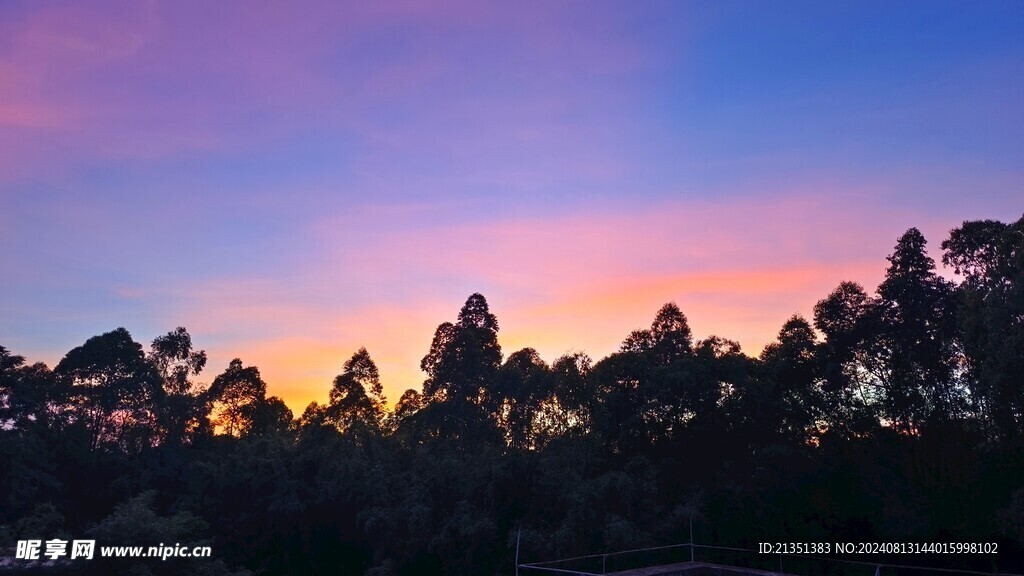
{"type": "Point", "coordinates": [559, 284]}
{"type": "Point", "coordinates": [746, 306]}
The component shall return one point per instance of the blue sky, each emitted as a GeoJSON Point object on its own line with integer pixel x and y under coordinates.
{"type": "Point", "coordinates": [292, 185]}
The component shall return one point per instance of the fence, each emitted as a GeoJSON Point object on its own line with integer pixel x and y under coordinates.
{"type": "Point", "coordinates": [730, 557]}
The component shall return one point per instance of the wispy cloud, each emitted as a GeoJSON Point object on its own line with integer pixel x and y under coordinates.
{"type": "Point", "coordinates": [738, 269]}
{"type": "Point", "coordinates": [294, 184]}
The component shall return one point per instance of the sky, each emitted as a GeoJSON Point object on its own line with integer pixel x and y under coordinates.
{"type": "Point", "coordinates": [294, 181]}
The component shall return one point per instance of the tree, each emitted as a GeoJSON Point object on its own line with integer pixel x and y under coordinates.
{"type": "Point", "coordinates": [32, 408]}
{"type": "Point", "coordinates": [670, 333]}
{"type": "Point", "coordinates": [440, 365]}
{"type": "Point", "coordinates": [622, 385]}
{"type": "Point", "coordinates": [402, 418]}
{"type": "Point", "coordinates": [990, 256]}
{"type": "Point", "coordinates": [136, 522]}
{"type": "Point", "coordinates": [9, 364]}
{"type": "Point", "coordinates": [572, 401]}
{"type": "Point", "coordinates": [113, 391]}
{"type": "Point", "coordinates": [845, 319]}
{"type": "Point", "coordinates": [183, 404]}
{"type": "Point", "coordinates": [650, 389]}
{"type": "Point", "coordinates": [793, 403]}
{"type": "Point", "coordinates": [668, 339]}
{"type": "Point", "coordinates": [523, 388]}
{"type": "Point", "coordinates": [29, 395]}
{"type": "Point", "coordinates": [461, 368]}
{"type": "Point", "coordinates": [464, 357]}
{"type": "Point", "coordinates": [357, 396]}
{"type": "Point", "coordinates": [840, 317]}
{"type": "Point", "coordinates": [175, 360]}
{"type": "Point", "coordinates": [237, 392]}
{"type": "Point", "coordinates": [914, 316]}
{"type": "Point", "coordinates": [267, 416]}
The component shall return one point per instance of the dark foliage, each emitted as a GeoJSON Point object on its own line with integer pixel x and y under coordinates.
{"type": "Point", "coordinates": [897, 416]}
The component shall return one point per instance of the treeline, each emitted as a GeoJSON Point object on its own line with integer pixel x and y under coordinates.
{"type": "Point", "coordinates": [889, 417]}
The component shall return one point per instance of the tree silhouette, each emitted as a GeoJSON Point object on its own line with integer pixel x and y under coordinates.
{"type": "Point", "coordinates": [897, 417]}
{"type": "Point", "coordinates": [565, 405]}
{"type": "Point", "coordinates": [915, 342]}
{"type": "Point", "coordinates": [523, 387]}
{"type": "Point", "coordinates": [183, 406]}
{"type": "Point", "coordinates": [402, 419]}
{"type": "Point", "coordinates": [357, 396]}
{"type": "Point", "coordinates": [990, 256]}
{"type": "Point", "coordinates": [237, 393]}
{"type": "Point", "coordinates": [267, 416]}
{"type": "Point", "coordinates": [794, 397]}
{"type": "Point", "coordinates": [670, 335]}
{"type": "Point", "coordinates": [461, 368]}
{"type": "Point", "coordinates": [114, 391]}
{"type": "Point", "coordinates": [30, 395]}
{"type": "Point", "coordinates": [846, 360]}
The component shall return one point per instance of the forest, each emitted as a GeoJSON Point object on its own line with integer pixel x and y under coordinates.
{"type": "Point", "coordinates": [890, 416]}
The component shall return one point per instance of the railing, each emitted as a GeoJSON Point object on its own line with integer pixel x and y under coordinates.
{"type": "Point", "coordinates": [731, 557]}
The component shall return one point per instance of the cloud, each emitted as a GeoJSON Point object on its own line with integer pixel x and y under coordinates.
{"type": "Point", "coordinates": [738, 268]}
{"type": "Point", "coordinates": [291, 184]}
{"type": "Point", "coordinates": [116, 80]}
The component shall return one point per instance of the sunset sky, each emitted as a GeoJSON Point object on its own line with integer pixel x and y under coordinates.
{"type": "Point", "coordinates": [291, 181]}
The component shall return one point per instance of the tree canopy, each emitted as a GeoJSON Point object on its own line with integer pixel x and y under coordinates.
{"type": "Point", "coordinates": [896, 415]}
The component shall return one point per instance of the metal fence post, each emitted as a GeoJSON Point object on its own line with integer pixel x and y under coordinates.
{"type": "Point", "coordinates": [519, 534]}
{"type": "Point", "coordinates": [691, 537]}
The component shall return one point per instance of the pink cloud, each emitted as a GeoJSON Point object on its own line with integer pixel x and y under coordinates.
{"type": "Point", "coordinates": [131, 81]}
{"type": "Point", "coordinates": [737, 269]}
{"type": "Point", "coordinates": [547, 255]}
{"type": "Point", "coordinates": [148, 79]}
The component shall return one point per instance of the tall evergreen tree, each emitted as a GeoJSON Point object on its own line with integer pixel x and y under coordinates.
{"type": "Point", "coordinates": [915, 345]}
{"type": "Point", "coordinates": [462, 367]}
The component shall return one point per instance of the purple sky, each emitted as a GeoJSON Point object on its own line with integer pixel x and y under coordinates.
{"type": "Point", "coordinates": [293, 184]}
